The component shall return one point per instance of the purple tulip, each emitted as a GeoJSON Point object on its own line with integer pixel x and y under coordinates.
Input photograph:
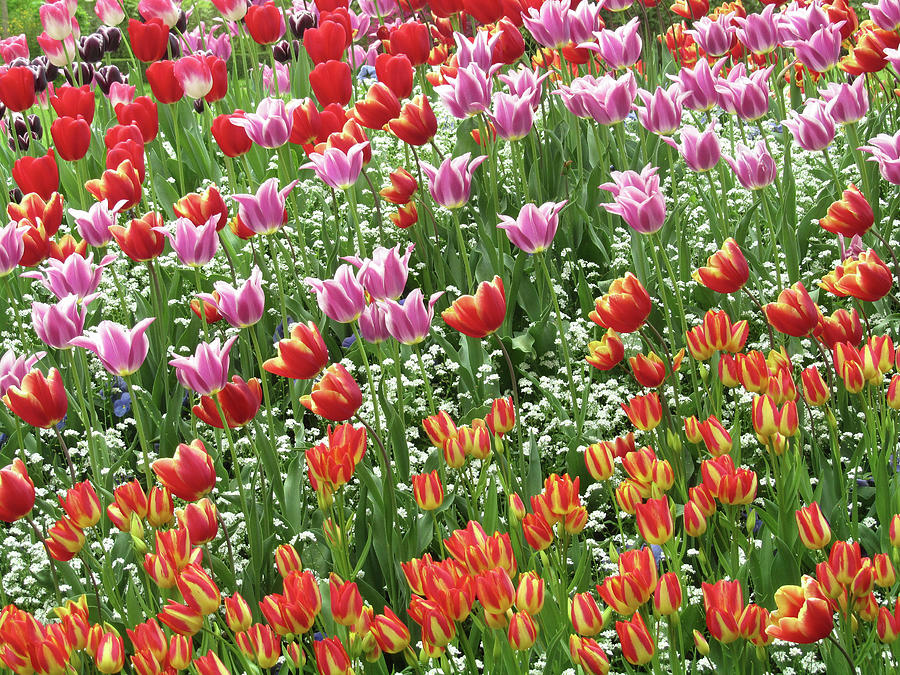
{"type": "Point", "coordinates": [638, 199]}
{"type": "Point", "coordinates": [799, 23]}
{"type": "Point", "coordinates": [410, 322]}
{"type": "Point", "coordinates": [616, 5]}
{"type": "Point", "coordinates": [120, 350]}
{"type": "Point", "coordinates": [264, 212]}
{"type": "Point", "coordinates": [57, 324]}
{"type": "Point", "coordinates": [619, 48]}
{"type": "Point", "coordinates": [606, 99]}
{"type": "Point", "coordinates": [477, 50]}
{"type": "Point", "coordinates": [661, 112]}
{"type": "Point", "coordinates": [846, 103]}
{"type": "Point", "coordinates": [813, 129]}
{"type": "Point", "coordinates": [700, 149]}
{"type": "Point", "coordinates": [206, 371]}
{"type": "Point", "coordinates": [194, 246]}
{"type": "Point", "coordinates": [337, 168]}
{"type": "Point", "coordinates": [550, 25]}
{"type": "Point", "coordinates": [513, 117]}
{"type": "Point", "coordinates": [714, 36]}
{"type": "Point", "coordinates": [583, 21]}
{"type": "Point", "coordinates": [699, 83]}
{"type": "Point", "coordinates": [373, 323]}
{"type": "Point", "coordinates": [384, 274]}
{"type": "Point", "coordinates": [885, 14]}
{"type": "Point", "coordinates": [12, 246]}
{"type": "Point", "coordinates": [343, 298]}
{"type": "Point", "coordinates": [758, 32]}
{"type": "Point", "coordinates": [13, 368]}
{"type": "Point", "coordinates": [469, 93]}
{"type": "Point", "coordinates": [93, 225]}
{"type": "Point", "coordinates": [242, 306]}
{"type": "Point", "coordinates": [450, 184]}
{"type": "Point", "coordinates": [857, 246]}
{"type": "Point", "coordinates": [886, 151]}
{"type": "Point", "coordinates": [533, 230]}
{"type": "Point", "coordinates": [525, 83]}
{"type": "Point", "coordinates": [270, 126]}
{"type": "Point", "coordinates": [755, 168]}
{"type": "Point", "coordinates": [746, 97]}
{"type": "Point", "coordinates": [822, 50]}
{"type": "Point", "coordinates": [76, 275]}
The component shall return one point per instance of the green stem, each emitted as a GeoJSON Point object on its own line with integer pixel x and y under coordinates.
{"type": "Point", "coordinates": [562, 334]}
{"type": "Point", "coordinates": [135, 406]}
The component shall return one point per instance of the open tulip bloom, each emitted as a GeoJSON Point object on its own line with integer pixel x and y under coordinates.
{"type": "Point", "coordinates": [370, 327]}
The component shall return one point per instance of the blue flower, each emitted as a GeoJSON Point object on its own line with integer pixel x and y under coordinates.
{"type": "Point", "coordinates": [62, 424]}
{"type": "Point", "coordinates": [122, 405]}
{"type": "Point", "coordinates": [279, 330]}
{"type": "Point", "coordinates": [3, 439]}
{"type": "Point", "coordinates": [367, 73]}
{"type": "Point", "coordinates": [348, 341]}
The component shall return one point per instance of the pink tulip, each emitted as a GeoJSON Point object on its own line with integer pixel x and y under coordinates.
{"type": "Point", "coordinates": [109, 12]}
{"type": "Point", "coordinates": [758, 32]}
{"type": "Point", "coordinates": [231, 10]}
{"type": "Point", "coordinates": [373, 323]}
{"type": "Point", "coordinates": [469, 93]}
{"type": "Point", "coordinates": [700, 149]}
{"type": "Point", "coordinates": [813, 129]}
{"type": "Point", "coordinates": [885, 14]}
{"type": "Point", "coordinates": [410, 322]}
{"type": "Point", "coordinates": [755, 168]}
{"type": "Point", "coordinates": [13, 368]}
{"type": "Point", "coordinates": [57, 324]}
{"type": "Point", "coordinates": [194, 76]}
{"type": "Point", "coordinates": [76, 275]}
{"type": "Point", "coordinates": [270, 126]}
{"type": "Point", "coordinates": [206, 371]}
{"type": "Point", "coordinates": [661, 112]}
{"type": "Point", "coordinates": [619, 48]}
{"type": "Point", "coordinates": [822, 50]}
{"type": "Point", "coordinates": [846, 103]}
{"type": "Point", "coordinates": [550, 25]}
{"type": "Point", "coordinates": [535, 227]}
{"type": "Point", "coordinates": [12, 246]}
{"type": "Point", "coordinates": [265, 212]}
{"type": "Point", "coordinates": [59, 52]}
{"type": "Point", "coordinates": [746, 97]}
{"type": "Point", "coordinates": [886, 151]}
{"type": "Point", "coordinates": [699, 84]}
{"type": "Point", "coordinates": [166, 11]}
{"type": "Point", "coordinates": [606, 99]}
{"type": "Point", "coordinates": [714, 36]}
{"type": "Point", "coordinates": [121, 350]}
{"type": "Point", "coordinates": [242, 306]}
{"type": "Point", "coordinates": [450, 184]}
{"type": "Point", "coordinates": [637, 199]}
{"type": "Point", "coordinates": [475, 50]}
{"type": "Point", "coordinates": [14, 47]}
{"type": "Point", "coordinates": [194, 246]}
{"type": "Point", "coordinates": [93, 225]}
{"type": "Point", "coordinates": [56, 20]}
{"type": "Point", "coordinates": [525, 83]}
{"type": "Point", "coordinates": [342, 299]}
{"type": "Point", "coordinates": [338, 168]}
{"type": "Point", "coordinates": [384, 274]}
{"type": "Point", "coordinates": [513, 117]}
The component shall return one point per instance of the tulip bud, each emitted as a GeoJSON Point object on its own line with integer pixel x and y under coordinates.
{"type": "Point", "coordinates": [516, 507]}
{"type": "Point", "coordinates": [287, 560]}
{"type": "Point", "coordinates": [522, 632]}
{"type": "Point", "coordinates": [667, 597]}
{"type": "Point", "coordinates": [160, 509]}
{"type": "Point", "coordinates": [700, 643]}
{"type": "Point", "coordinates": [428, 491]}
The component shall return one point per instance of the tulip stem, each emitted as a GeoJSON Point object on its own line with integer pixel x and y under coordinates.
{"type": "Point", "coordinates": [50, 558]}
{"type": "Point", "coordinates": [463, 252]}
{"type": "Point", "coordinates": [265, 386]}
{"type": "Point", "coordinates": [85, 418]}
{"type": "Point", "coordinates": [65, 452]}
{"type": "Point", "coordinates": [140, 430]}
{"type": "Point", "coordinates": [562, 335]}
{"type": "Point", "coordinates": [515, 394]}
{"type": "Point", "coordinates": [234, 460]}
{"type": "Point", "coordinates": [428, 393]}
{"type": "Point", "coordinates": [227, 538]}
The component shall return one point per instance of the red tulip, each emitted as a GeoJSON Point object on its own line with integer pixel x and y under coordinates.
{"type": "Point", "coordinates": [265, 23]}
{"type": "Point", "coordinates": [120, 185]}
{"type": "Point", "coordinates": [17, 88]}
{"type": "Point", "coordinates": [411, 38]}
{"type": "Point", "coordinates": [481, 314]}
{"type": "Point", "coordinates": [72, 137]}
{"type": "Point", "coordinates": [70, 101]}
{"type": "Point", "coordinates": [232, 139]}
{"type": "Point", "coordinates": [39, 400]}
{"type": "Point", "coordinates": [149, 40]}
{"type": "Point", "coordinates": [331, 82]}
{"type": "Point", "coordinates": [142, 112]}
{"type": "Point", "coordinates": [140, 240]}
{"type": "Point", "coordinates": [37, 174]}
{"type": "Point", "coordinates": [325, 43]}
{"type": "Point", "coordinates": [396, 72]}
{"type": "Point", "coordinates": [416, 124]}
{"type": "Point", "coordinates": [16, 492]}
{"type": "Point", "coordinates": [130, 150]}
{"type": "Point", "coordinates": [336, 396]}
{"type": "Point", "coordinates": [163, 83]}
{"type": "Point", "coordinates": [240, 402]}
{"type": "Point", "coordinates": [199, 207]}
{"type": "Point", "coordinates": [219, 70]}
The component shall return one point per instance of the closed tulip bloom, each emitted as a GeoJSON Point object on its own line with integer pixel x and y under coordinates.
{"type": "Point", "coordinates": [637, 643]}
{"type": "Point", "coordinates": [715, 36]}
{"type": "Point", "coordinates": [893, 400]}
{"type": "Point", "coordinates": [726, 270]}
{"type": "Point", "coordinates": [644, 412]}
{"type": "Point", "coordinates": [342, 299]}
{"type": "Point", "coordinates": [81, 505]}
{"type": "Point", "coordinates": [195, 246]}
{"type": "Point", "coordinates": [401, 189]}
{"type": "Point", "coordinates": [200, 519]}
{"type": "Point", "coordinates": [654, 521]}
{"type": "Point", "coordinates": [416, 124]}
{"type": "Point", "coordinates": [16, 492]}
{"type": "Point", "coordinates": [699, 85]}
{"type": "Point", "coordinates": [287, 560]}
{"type": "Point", "coordinates": [661, 112]}
{"type": "Point", "coordinates": [585, 615]}
{"type": "Point", "coordinates": [383, 275]}
{"type": "Point", "coordinates": [694, 519]}
{"type": "Point", "coordinates": [71, 137]}
{"type": "Point", "coordinates": [887, 626]}
{"type": "Point", "coordinates": [338, 168]}
{"type": "Point", "coordinates": [638, 199]}
{"type": "Point", "coordinates": [265, 23]}
{"type": "Point", "coordinates": [846, 103]}
{"type": "Point", "coordinates": [332, 83]}
{"type": "Point", "coordinates": [141, 240]}
{"type": "Point", "coordinates": [39, 174]}
{"type": "Point", "coordinates": [885, 14]}
{"type": "Point", "coordinates": [206, 371]}
{"type": "Point", "coordinates": [17, 87]}
{"type": "Point", "coordinates": [410, 322]}
{"type": "Point", "coordinates": [586, 653]}
{"type": "Point", "coordinates": [451, 183]}
{"type": "Point", "coordinates": [885, 150]}
{"type": "Point", "coordinates": [121, 350]}
{"type": "Point", "coordinates": [700, 149]}
{"type": "Point", "coordinates": [428, 490]}
{"type": "Point", "coordinates": [119, 188]}
{"type": "Point", "coordinates": [38, 400]}
{"type": "Point", "coordinates": [189, 474]}
{"type": "Point", "coordinates": [194, 76]}
{"type": "Point", "coordinates": [379, 107]}
{"type": "Point", "coordinates": [849, 216]}
{"type": "Point", "coordinates": [813, 128]}
{"type": "Point", "coordinates": [270, 126]}
{"type": "Point", "coordinates": [481, 314]}
{"type": "Point", "coordinates": [804, 613]}
{"type": "Point", "coordinates": [724, 604]}
{"type": "Point", "coordinates": [794, 313]}
{"type": "Point", "coordinates": [210, 664]}
{"type": "Point", "coordinates": [625, 307]}
{"type": "Point", "coordinates": [743, 95]}
{"type": "Point", "coordinates": [12, 246]}
{"type": "Point", "coordinates": [534, 228]}
{"type": "Point", "coordinates": [109, 654]}
{"type": "Point", "coordinates": [814, 530]}
{"type": "Point", "coordinates": [336, 396]}
{"type": "Point", "coordinates": [754, 167]}
{"type": "Point", "coordinates": [619, 48]}
{"type": "Point", "coordinates": [56, 325]}
{"type": "Point", "coordinates": [232, 140]}
{"type": "Point", "coordinates": [165, 86]}
{"type": "Point", "coordinates": [606, 100]}
{"type": "Point", "coordinates": [512, 116]}
{"type": "Point", "coordinates": [302, 356]}
{"type": "Point", "coordinates": [668, 596]}
{"type": "Point", "coordinates": [242, 306]}
{"type": "Point", "coordinates": [198, 589]}
{"type": "Point", "coordinates": [160, 508]}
